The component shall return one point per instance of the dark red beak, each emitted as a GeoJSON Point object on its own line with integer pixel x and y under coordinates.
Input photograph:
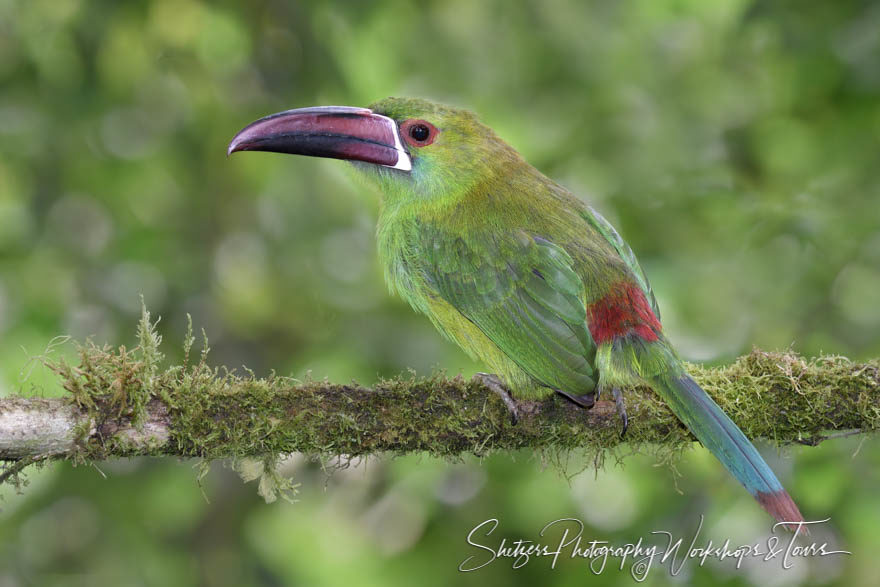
{"type": "Point", "coordinates": [338, 132]}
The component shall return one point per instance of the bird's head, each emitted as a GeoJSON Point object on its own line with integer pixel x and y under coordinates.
{"type": "Point", "coordinates": [415, 150]}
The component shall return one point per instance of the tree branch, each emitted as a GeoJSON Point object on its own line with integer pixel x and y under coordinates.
{"type": "Point", "coordinates": [119, 403]}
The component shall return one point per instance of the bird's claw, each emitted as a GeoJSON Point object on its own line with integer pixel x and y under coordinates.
{"type": "Point", "coordinates": [586, 401]}
{"type": "Point", "coordinates": [495, 384]}
{"type": "Point", "coordinates": [621, 409]}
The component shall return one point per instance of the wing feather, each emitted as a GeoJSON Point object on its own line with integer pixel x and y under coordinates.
{"type": "Point", "coordinates": [604, 228]}
{"type": "Point", "coordinates": [522, 293]}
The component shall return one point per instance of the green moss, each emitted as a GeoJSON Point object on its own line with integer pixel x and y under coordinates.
{"type": "Point", "coordinates": [218, 414]}
{"type": "Point", "coordinates": [783, 397]}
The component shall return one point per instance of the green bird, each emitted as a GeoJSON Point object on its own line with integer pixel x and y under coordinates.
{"type": "Point", "coordinates": [512, 267]}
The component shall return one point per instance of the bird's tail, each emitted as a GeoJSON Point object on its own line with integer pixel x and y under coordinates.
{"type": "Point", "coordinates": [726, 441]}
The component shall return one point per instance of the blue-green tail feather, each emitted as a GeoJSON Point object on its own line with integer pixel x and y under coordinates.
{"type": "Point", "coordinates": [726, 441]}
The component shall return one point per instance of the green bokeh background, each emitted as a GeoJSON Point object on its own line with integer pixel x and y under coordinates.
{"type": "Point", "coordinates": [734, 143]}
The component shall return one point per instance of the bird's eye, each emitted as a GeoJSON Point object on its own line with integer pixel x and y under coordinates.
{"type": "Point", "coordinates": [418, 133]}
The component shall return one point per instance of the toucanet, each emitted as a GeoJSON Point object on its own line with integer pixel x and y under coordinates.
{"type": "Point", "coordinates": [512, 267]}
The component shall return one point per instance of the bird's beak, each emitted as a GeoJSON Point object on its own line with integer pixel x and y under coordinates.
{"type": "Point", "coordinates": [339, 132]}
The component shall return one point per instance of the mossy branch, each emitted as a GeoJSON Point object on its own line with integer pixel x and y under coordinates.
{"type": "Point", "coordinates": [122, 403]}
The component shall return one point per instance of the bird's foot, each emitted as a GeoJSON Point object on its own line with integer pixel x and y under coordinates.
{"type": "Point", "coordinates": [495, 384]}
{"type": "Point", "coordinates": [586, 401]}
{"type": "Point", "coordinates": [621, 409]}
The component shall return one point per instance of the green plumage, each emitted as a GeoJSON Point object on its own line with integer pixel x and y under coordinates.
{"type": "Point", "coordinates": [510, 266]}
{"type": "Point", "coordinates": [506, 263]}
{"type": "Point", "coordinates": [466, 235]}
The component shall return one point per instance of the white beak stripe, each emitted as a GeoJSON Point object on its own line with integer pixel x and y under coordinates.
{"type": "Point", "coordinates": [404, 163]}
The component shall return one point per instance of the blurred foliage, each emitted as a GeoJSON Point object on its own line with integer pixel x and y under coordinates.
{"type": "Point", "coordinates": [734, 143]}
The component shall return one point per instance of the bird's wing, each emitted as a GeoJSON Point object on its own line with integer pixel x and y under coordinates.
{"type": "Point", "coordinates": [604, 228]}
{"type": "Point", "coordinates": [521, 292]}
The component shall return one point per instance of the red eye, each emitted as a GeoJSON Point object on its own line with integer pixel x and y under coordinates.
{"type": "Point", "coordinates": [418, 133]}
